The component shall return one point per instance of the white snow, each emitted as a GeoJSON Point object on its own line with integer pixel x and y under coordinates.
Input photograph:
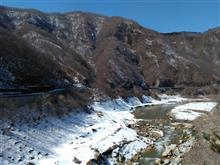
{"type": "Point", "coordinates": [128, 151]}
{"type": "Point", "coordinates": [134, 101]}
{"type": "Point", "coordinates": [191, 111]}
{"type": "Point", "coordinates": [81, 135]}
{"type": "Point", "coordinates": [109, 130]}
{"type": "Point", "coordinates": [147, 99]}
{"type": "Point", "coordinates": [123, 135]}
{"type": "Point", "coordinates": [164, 99]}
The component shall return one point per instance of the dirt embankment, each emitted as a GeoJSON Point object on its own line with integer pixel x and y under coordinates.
{"type": "Point", "coordinates": [206, 150]}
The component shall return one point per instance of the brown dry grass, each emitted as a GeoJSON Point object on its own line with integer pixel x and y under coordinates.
{"type": "Point", "coordinates": [201, 153]}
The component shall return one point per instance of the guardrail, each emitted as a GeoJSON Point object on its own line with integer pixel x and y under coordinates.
{"type": "Point", "coordinates": [33, 91]}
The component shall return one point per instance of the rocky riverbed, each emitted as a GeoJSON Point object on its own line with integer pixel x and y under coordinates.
{"type": "Point", "coordinates": [171, 127]}
{"type": "Point", "coordinates": [115, 131]}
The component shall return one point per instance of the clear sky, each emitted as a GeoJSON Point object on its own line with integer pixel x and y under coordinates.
{"type": "Point", "coordinates": [160, 15]}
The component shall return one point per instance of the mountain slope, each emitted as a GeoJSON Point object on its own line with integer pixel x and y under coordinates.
{"type": "Point", "coordinates": [113, 54]}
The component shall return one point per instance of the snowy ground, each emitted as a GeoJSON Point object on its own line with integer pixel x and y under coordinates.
{"type": "Point", "coordinates": [78, 137]}
{"type": "Point", "coordinates": [109, 129]}
{"type": "Point", "coordinates": [193, 110]}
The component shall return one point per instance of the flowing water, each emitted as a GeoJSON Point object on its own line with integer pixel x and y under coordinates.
{"type": "Point", "coordinates": [153, 112]}
{"type": "Point", "coordinates": [158, 117]}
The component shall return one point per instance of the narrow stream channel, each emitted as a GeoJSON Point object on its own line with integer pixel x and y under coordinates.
{"type": "Point", "coordinates": [157, 116]}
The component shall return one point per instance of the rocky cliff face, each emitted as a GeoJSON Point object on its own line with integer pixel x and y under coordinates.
{"type": "Point", "coordinates": [112, 54]}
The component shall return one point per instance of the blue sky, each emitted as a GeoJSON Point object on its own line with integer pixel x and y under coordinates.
{"type": "Point", "coordinates": [160, 15]}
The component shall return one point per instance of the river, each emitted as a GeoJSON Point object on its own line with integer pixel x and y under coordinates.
{"type": "Point", "coordinates": [157, 119]}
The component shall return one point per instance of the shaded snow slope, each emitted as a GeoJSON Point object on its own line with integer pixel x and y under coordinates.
{"type": "Point", "coordinates": [77, 137]}
{"type": "Point", "coordinates": [109, 131]}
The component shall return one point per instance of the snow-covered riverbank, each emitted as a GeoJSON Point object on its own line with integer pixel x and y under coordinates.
{"type": "Point", "coordinates": [193, 110]}
{"type": "Point", "coordinates": [79, 137]}
{"type": "Point", "coordinates": [178, 136]}
{"type": "Point", "coordinates": [106, 134]}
